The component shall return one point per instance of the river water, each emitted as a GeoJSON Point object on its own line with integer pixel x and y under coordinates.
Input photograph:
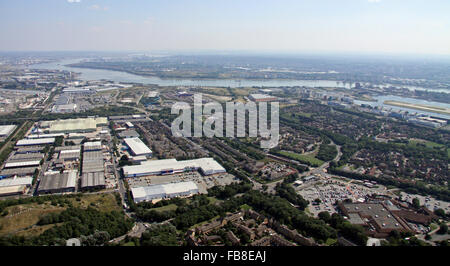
{"type": "Point", "coordinates": [117, 76]}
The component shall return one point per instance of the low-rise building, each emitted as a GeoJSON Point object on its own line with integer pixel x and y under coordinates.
{"type": "Point", "coordinates": [207, 166]}
{"type": "Point", "coordinates": [164, 191]}
{"type": "Point", "coordinates": [58, 182]}
{"type": "Point", "coordinates": [137, 147]}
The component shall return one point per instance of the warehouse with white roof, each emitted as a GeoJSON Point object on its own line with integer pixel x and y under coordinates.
{"type": "Point", "coordinates": [164, 191]}
{"type": "Point", "coordinates": [19, 181]}
{"type": "Point", "coordinates": [93, 146]}
{"type": "Point", "coordinates": [31, 142]}
{"type": "Point", "coordinates": [207, 166]}
{"type": "Point", "coordinates": [138, 147]}
{"type": "Point", "coordinates": [22, 164]}
{"type": "Point", "coordinates": [5, 131]}
{"type": "Point", "coordinates": [45, 136]}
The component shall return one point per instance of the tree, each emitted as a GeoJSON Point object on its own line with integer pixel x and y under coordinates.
{"type": "Point", "coordinates": [160, 235]}
{"type": "Point", "coordinates": [443, 229]}
{"type": "Point", "coordinates": [416, 203]}
{"type": "Point", "coordinates": [124, 160]}
{"type": "Point", "coordinates": [440, 212]}
{"type": "Point", "coordinates": [324, 216]}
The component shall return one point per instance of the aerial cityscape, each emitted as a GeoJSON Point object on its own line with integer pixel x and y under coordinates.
{"type": "Point", "coordinates": [216, 144]}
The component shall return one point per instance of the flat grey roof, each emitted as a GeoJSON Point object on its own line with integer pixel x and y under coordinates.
{"type": "Point", "coordinates": [380, 214]}
{"type": "Point", "coordinates": [29, 149]}
{"type": "Point", "coordinates": [93, 162]}
{"type": "Point", "coordinates": [18, 171]}
{"type": "Point", "coordinates": [64, 148]}
{"type": "Point", "coordinates": [57, 181]}
{"type": "Point", "coordinates": [69, 154]}
{"type": "Point", "coordinates": [93, 179]}
{"type": "Point", "coordinates": [129, 133]}
{"type": "Point", "coordinates": [92, 155]}
{"type": "Point", "coordinates": [26, 157]}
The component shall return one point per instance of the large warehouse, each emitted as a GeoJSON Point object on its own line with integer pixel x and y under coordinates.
{"type": "Point", "coordinates": [69, 155]}
{"type": "Point", "coordinates": [93, 162]}
{"type": "Point", "coordinates": [30, 149]}
{"type": "Point", "coordinates": [23, 171]}
{"type": "Point", "coordinates": [31, 142]}
{"type": "Point", "coordinates": [18, 157]}
{"type": "Point", "coordinates": [207, 166]}
{"type": "Point", "coordinates": [5, 131]}
{"type": "Point", "coordinates": [164, 191]}
{"type": "Point", "coordinates": [22, 164]}
{"type": "Point", "coordinates": [20, 181]}
{"type": "Point", "coordinates": [92, 146]}
{"type": "Point", "coordinates": [94, 180]}
{"type": "Point", "coordinates": [138, 147]}
{"type": "Point", "coordinates": [58, 183]}
{"type": "Point", "coordinates": [74, 125]}
{"type": "Point", "coordinates": [45, 136]}
{"type": "Point", "coordinates": [12, 190]}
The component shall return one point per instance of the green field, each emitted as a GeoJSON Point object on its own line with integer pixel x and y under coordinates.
{"type": "Point", "coordinates": [307, 159]}
{"type": "Point", "coordinates": [429, 144]}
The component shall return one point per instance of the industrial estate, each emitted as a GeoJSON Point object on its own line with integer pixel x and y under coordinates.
{"type": "Point", "coordinates": [90, 155]}
{"type": "Point", "coordinates": [344, 172]}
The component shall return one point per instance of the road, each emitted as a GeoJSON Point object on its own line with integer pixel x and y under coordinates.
{"type": "Point", "coordinates": [137, 230]}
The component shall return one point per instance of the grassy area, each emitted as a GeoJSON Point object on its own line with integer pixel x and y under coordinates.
{"type": "Point", "coordinates": [22, 219]}
{"type": "Point", "coordinates": [429, 144]}
{"type": "Point", "coordinates": [265, 181]}
{"type": "Point", "coordinates": [213, 200]}
{"type": "Point", "coordinates": [308, 159]}
{"type": "Point", "coordinates": [330, 241]}
{"type": "Point", "coordinates": [105, 202]}
{"type": "Point", "coordinates": [308, 212]}
{"type": "Point", "coordinates": [36, 230]}
{"type": "Point", "coordinates": [308, 115]}
{"type": "Point", "coordinates": [433, 226]}
{"type": "Point", "coordinates": [245, 207]}
{"type": "Point", "coordinates": [170, 207]}
{"type": "Point", "coordinates": [241, 91]}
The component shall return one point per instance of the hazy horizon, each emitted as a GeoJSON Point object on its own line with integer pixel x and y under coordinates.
{"type": "Point", "coordinates": [388, 27]}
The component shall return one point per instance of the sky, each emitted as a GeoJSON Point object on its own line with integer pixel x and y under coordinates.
{"type": "Point", "coordinates": [368, 26]}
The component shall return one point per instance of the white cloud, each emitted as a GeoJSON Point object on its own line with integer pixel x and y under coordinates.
{"type": "Point", "coordinates": [374, 1]}
{"type": "Point", "coordinates": [74, 1]}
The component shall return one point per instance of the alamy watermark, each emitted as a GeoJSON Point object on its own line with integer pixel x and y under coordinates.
{"type": "Point", "coordinates": [257, 120]}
